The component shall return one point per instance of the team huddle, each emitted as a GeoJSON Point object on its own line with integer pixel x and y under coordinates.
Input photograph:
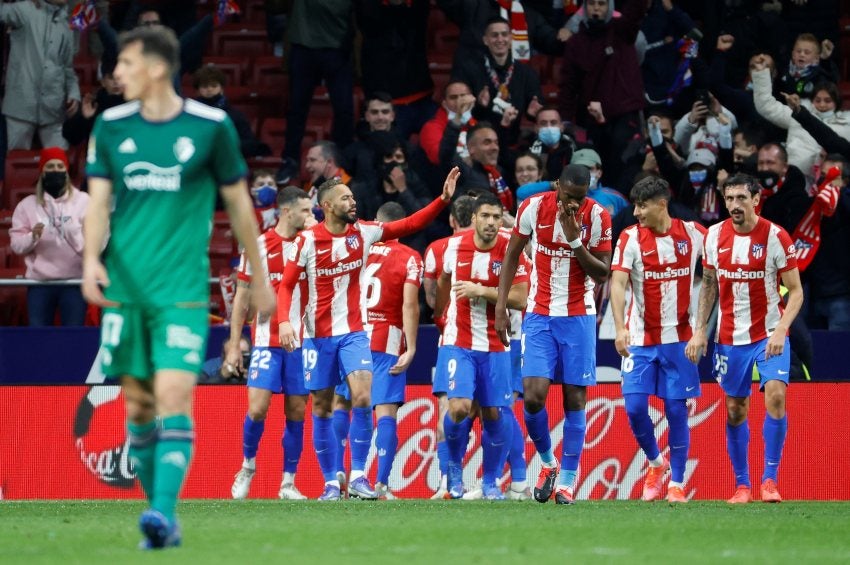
{"type": "Point", "coordinates": [344, 328]}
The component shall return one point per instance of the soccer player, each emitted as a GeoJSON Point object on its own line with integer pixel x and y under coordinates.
{"type": "Point", "coordinates": [333, 254]}
{"type": "Point", "coordinates": [393, 275]}
{"type": "Point", "coordinates": [570, 252]}
{"type": "Point", "coordinates": [478, 365]}
{"type": "Point", "coordinates": [153, 166]}
{"type": "Point", "coordinates": [272, 370]}
{"type": "Point", "coordinates": [657, 259]}
{"type": "Point", "coordinates": [745, 257]}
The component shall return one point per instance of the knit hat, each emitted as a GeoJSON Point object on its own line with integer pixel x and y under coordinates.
{"type": "Point", "coordinates": [50, 153]}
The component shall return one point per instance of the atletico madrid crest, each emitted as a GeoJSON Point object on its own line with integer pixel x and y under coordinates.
{"type": "Point", "coordinates": [352, 242]}
{"type": "Point", "coordinates": [496, 267]}
{"type": "Point", "coordinates": [758, 250]}
{"type": "Point", "coordinates": [682, 246]}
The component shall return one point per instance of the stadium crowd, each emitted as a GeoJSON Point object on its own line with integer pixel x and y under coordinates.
{"type": "Point", "coordinates": [351, 110]}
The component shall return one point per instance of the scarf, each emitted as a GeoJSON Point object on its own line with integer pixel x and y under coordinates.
{"type": "Point", "coordinates": [709, 204]}
{"type": "Point", "coordinates": [806, 236]}
{"type": "Point", "coordinates": [462, 149]}
{"type": "Point", "coordinates": [84, 15]}
{"type": "Point", "coordinates": [570, 7]}
{"type": "Point", "coordinates": [767, 193]}
{"type": "Point", "coordinates": [688, 50]}
{"type": "Point", "coordinates": [797, 73]}
{"type": "Point", "coordinates": [501, 87]}
{"type": "Point", "coordinates": [512, 11]}
{"type": "Point", "coordinates": [225, 9]}
{"type": "Point", "coordinates": [499, 187]}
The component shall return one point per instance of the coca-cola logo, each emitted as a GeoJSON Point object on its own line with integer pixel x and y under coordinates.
{"type": "Point", "coordinates": [111, 464]}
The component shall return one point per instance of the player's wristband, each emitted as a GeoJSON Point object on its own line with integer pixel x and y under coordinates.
{"type": "Point", "coordinates": [574, 244]}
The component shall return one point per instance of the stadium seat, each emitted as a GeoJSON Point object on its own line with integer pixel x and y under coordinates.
{"type": "Point", "coordinates": [234, 68]}
{"type": "Point", "coordinates": [13, 299]}
{"type": "Point", "coordinates": [542, 65]}
{"type": "Point", "coordinates": [272, 133]}
{"type": "Point", "coordinates": [86, 70]}
{"type": "Point", "coordinates": [550, 94]}
{"type": "Point", "coordinates": [844, 89]}
{"type": "Point", "coordinates": [268, 73]}
{"type": "Point", "coordinates": [271, 162]}
{"type": "Point", "coordinates": [254, 12]}
{"type": "Point", "coordinates": [444, 39]}
{"type": "Point", "coordinates": [241, 42]}
{"type": "Point", "coordinates": [21, 171]}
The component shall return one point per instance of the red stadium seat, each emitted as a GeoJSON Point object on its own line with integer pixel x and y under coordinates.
{"type": "Point", "coordinates": [254, 12]}
{"type": "Point", "coordinates": [268, 73]}
{"type": "Point", "coordinates": [234, 68]}
{"type": "Point", "coordinates": [86, 70]}
{"type": "Point", "coordinates": [21, 172]}
{"type": "Point", "coordinates": [444, 39]}
{"type": "Point", "coordinates": [241, 42]}
{"type": "Point", "coordinates": [272, 133]}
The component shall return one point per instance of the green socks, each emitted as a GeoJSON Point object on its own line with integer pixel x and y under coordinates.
{"type": "Point", "coordinates": [143, 439]}
{"type": "Point", "coordinates": [172, 455]}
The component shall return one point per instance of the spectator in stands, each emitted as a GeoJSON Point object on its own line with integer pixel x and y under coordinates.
{"type": "Point", "coordinates": [481, 170]}
{"type": "Point", "coordinates": [784, 199]}
{"type": "Point", "coordinates": [661, 123]}
{"type": "Point", "coordinates": [210, 81]}
{"type": "Point", "coordinates": [322, 163]}
{"type": "Point", "coordinates": [528, 170]}
{"type": "Point", "coordinates": [214, 372]}
{"type": "Point", "coordinates": [78, 126]}
{"type": "Point", "coordinates": [47, 229]}
{"type": "Point", "coordinates": [803, 151]}
{"type": "Point", "coordinates": [530, 29]}
{"type": "Point", "coordinates": [378, 116]}
{"type": "Point", "coordinates": [703, 125]}
{"type": "Point", "coordinates": [41, 85]}
{"type": "Point", "coordinates": [264, 196]}
{"type": "Point", "coordinates": [554, 146]}
{"type": "Point", "coordinates": [602, 88]}
{"type": "Point", "coordinates": [810, 64]}
{"type": "Point", "coordinates": [444, 136]}
{"type": "Point", "coordinates": [746, 142]}
{"type": "Point", "coordinates": [610, 199]}
{"type": "Point", "coordinates": [393, 58]}
{"type": "Point", "coordinates": [320, 34]}
{"type": "Point", "coordinates": [505, 88]}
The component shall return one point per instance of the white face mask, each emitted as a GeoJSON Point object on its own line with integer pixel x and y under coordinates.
{"type": "Point", "coordinates": [825, 115]}
{"type": "Point", "coordinates": [594, 181]}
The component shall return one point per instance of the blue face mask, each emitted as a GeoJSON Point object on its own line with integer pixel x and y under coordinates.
{"type": "Point", "coordinates": [698, 177]}
{"type": "Point", "coordinates": [265, 195]}
{"type": "Point", "coordinates": [549, 136]}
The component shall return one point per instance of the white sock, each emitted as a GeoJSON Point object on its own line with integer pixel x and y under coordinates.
{"type": "Point", "coordinates": [444, 482]}
{"type": "Point", "coordinates": [289, 478]}
{"type": "Point", "coordinates": [672, 484]}
{"type": "Point", "coordinates": [657, 462]}
{"type": "Point", "coordinates": [249, 463]}
{"type": "Point", "coordinates": [355, 475]}
{"type": "Point", "coordinates": [519, 486]}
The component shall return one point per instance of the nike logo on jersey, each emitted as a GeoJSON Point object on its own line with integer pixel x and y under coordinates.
{"type": "Point", "coordinates": [586, 376]}
{"type": "Point", "coordinates": [362, 441]}
{"type": "Point", "coordinates": [645, 253]}
{"type": "Point", "coordinates": [508, 396]}
{"type": "Point", "coordinates": [543, 227]}
{"type": "Point", "coordinates": [323, 251]}
{"type": "Point", "coordinates": [127, 146]}
{"type": "Point", "coordinates": [689, 388]}
{"type": "Point", "coordinates": [782, 372]}
{"type": "Point", "coordinates": [723, 249]}
{"type": "Point", "coordinates": [364, 361]}
{"type": "Point", "coordinates": [463, 264]}
{"type": "Point", "coordinates": [273, 255]}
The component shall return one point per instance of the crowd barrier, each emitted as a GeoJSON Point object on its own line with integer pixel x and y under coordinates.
{"type": "Point", "coordinates": [68, 442]}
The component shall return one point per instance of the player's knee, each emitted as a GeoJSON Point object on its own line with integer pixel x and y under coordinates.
{"type": "Point", "coordinates": [295, 408]}
{"type": "Point", "coordinates": [258, 413]}
{"type": "Point", "coordinates": [676, 410]}
{"type": "Point", "coordinates": [533, 404]}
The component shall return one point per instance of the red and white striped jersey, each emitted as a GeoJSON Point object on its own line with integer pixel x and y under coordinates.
{"type": "Point", "coordinates": [471, 323]}
{"type": "Point", "coordinates": [434, 258]}
{"type": "Point", "coordinates": [748, 270]}
{"type": "Point", "coordinates": [389, 267]}
{"type": "Point", "coordinates": [559, 285]}
{"type": "Point", "coordinates": [661, 271]}
{"type": "Point", "coordinates": [273, 251]}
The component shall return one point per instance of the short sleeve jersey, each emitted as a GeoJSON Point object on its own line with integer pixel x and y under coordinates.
{"type": "Point", "coordinates": [559, 285]}
{"type": "Point", "coordinates": [748, 269]}
{"type": "Point", "coordinates": [164, 176]}
{"type": "Point", "coordinates": [389, 267]}
{"type": "Point", "coordinates": [661, 272]}
{"type": "Point", "coordinates": [471, 323]}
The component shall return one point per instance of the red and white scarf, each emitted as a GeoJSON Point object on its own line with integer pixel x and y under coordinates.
{"type": "Point", "coordinates": [806, 236]}
{"type": "Point", "coordinates": [500, 187]}
{"type": "Point", "coordinates": [513, 12]}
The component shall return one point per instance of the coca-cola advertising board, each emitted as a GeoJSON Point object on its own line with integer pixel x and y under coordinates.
{"type": "Point", "coordinates": [68, 442]}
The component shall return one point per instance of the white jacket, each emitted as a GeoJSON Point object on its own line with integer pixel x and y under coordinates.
{"type": "Point", "coordinates": [803, 150]}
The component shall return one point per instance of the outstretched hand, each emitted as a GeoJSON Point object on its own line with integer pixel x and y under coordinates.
{"type": "Point", "coordinates": [450, 184]}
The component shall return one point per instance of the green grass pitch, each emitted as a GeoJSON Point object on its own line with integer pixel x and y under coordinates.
{"type": "Point", "coordinates": [440, 532]}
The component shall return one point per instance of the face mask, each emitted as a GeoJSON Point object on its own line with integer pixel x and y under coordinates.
{"type": "Point", "coordinates": [749, 87]}
{"type": "Point", "coordinates": [265, 195]}
{"type": "Point", "coordinates": [825, 115]}
{"type": "Point", "coordinates": [54, 182]}
{"type": "Point", "coordinates": [388, 168]}
{"type": "Point", "coordinates": [466, 116]}
{"type": "Point", "coordinates": [594, 24]}
{"type": "Point", "coordinates": [216, 101]}
{"type": "Point", "coordinates": [549, 136]}
{"type": "Point", "coordinates": [698, 177]}
{"type": "Point", "coordinates": [768, 179]}
{"type": "Point", "coordinates": [594, 181]}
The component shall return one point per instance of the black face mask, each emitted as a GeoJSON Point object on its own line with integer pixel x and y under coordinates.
{"type": "Point", "coordinates": [53, 183]}
{"type": "Point", "coordinates": [217, 101]}
{"type": "Point", "coordinates": [594, 25]}
{"type": "Point", "coordinates": [388, 168]}
{"type": "Point", "coordinates": [768, 179]}
{"type": "Point", "coordinates": [748, 165]}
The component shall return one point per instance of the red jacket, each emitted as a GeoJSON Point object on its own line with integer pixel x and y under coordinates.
{"type": "Point", "coordinates": [432, 133]}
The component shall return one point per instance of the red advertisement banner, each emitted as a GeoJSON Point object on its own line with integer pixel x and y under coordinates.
{"type": "Point", "coordinates": [69, 443]}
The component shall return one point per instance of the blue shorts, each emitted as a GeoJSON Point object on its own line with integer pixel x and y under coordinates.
{"type": "Point", "coordinates": [441, 378]}
{"type": "Point", "coordinates": [662, 370]}
{"type": "Point", "coordinates": [516, 366]}
{"type": "Point", "coordinates": [733, 367]}
{"type": "Point", "coordinates": [560, 348]}
{"type": "Point", "coordinates": [387, 388]}
{"type": "Point", "coordinates": [277, 370]}
{"type": "Point", "coordinates": [479, 375]}
{"type": "Point", "coordinates": [329, 360]}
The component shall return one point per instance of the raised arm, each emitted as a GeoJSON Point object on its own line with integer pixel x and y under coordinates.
{"type": "Point", "coordinates": [769, 107]}
{"type": "Point", "coordinates": [419, 220]}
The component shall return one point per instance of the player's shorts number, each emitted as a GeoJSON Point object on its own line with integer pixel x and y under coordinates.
{"type": "Point", "coordinates": [628, 364]}
{"type": "Point", "coordinates": [309, 356]}
{"type": "Point", "coordinates": [720, 364]}
{"type": "Point", "coordinates": [260, 359]}
{"type": "Point", "coordinates": [373, 290]}
{"type": "Point", "coordinates": [111, 325]}
{"type": "Point", "coordinates": [451, 367]}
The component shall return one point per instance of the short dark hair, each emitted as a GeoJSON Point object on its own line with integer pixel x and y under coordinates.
{"type": "Point", "coordinates": [478, 127]}
{"type": "Point", "coordinates": [782, 151]}
{"type": "Point", "coordinates": [390, 212]}
{"type": "Point", "coordinates": [832, 89]}
{"type": "Point", "coordinates": [575, 174]}
{"type": "Point", "coordinates": [650, 188]}
{"type": "Point", "coordinates": [326, 186]}
{"type": "Point", "coordinates": [159, 41]}
{"type": "Point", "coordinates": [257, 173]}
{"type": "Point", "coordinates": [486, 199]}
{"type": "Point", "coordinates": [751, 135]}
{"type": "Point", "coordinates": [329, 150]}
{"type": "Point", "coordinates": [378, 95]}
{"type": "Point", "coordinates": [537, 158]}
{"type": "Point", "coordinates": [288, 195]}
{"type": "Point", "coordinates": [455, 81]}
{"type": "Point", "coordinates": [496, 20]}
{"type": "Point", "coordinates": [743, 179]}
{"type": "Point", "coordinates": [462, 210]}
{"type": "Point", "coordinates": [209, 74]}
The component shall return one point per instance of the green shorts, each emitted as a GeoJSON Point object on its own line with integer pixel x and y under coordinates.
{"type": "Point", "coordinates": [140, 340]}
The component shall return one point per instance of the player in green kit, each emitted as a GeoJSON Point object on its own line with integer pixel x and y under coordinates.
{"type": "Point", "coordinates": [154, 165]}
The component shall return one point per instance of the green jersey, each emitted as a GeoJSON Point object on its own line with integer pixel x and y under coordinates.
{"type": "Point", "coordinates": [165, 176]}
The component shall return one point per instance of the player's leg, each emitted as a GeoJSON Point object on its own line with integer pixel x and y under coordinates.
{"type": "Point", "coordinates": [733, 370]}
{"type": "Point", "coordinates": [321, 375]}
{"type": "Point", "coordinates": [516, 454]}
{"type": "Point", "coordinates": [640, 372]}
{"type": "Point", "coordinates": [493, 392]}
{"type": "Point", "coordinates": [539, 357]}
{"type": "Point", "coordinates": [142, 432]}
{"type": "Point", "coordinates": [773, 373]}
{"type": "Point", "coordinates": [355, 359]}
{"type": "Point", "coordinates": [387, 396]}
{"type": "Point", "coordinates": [341, 427]}
{"type": "Point", "coordinates": [678, 381]}
{"type": "Point", "coordinates": [461, 388]}
{"type": "Point", "coordinates": [294, 409]}
{"type": "Point", "coordinates": [439, 388]}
